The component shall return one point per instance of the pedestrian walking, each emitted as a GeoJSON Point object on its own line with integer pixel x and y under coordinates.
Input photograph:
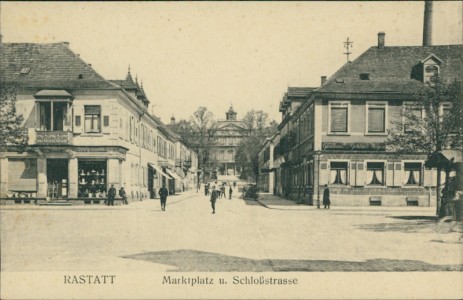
{"type": "Point", "coordinates": [206, 189]}
{"type": "Point", "coordinates": [163, 192]}
{"type": "Point", "coordinates": [326, 197]}
{"type": "Point", "coordinates": [111, 195]}
{"type": "Point", "coordinates": [222, 191]}
{"type": "Point", "coordinates": [213, 198]}
{"type": "Point", "coordinates": [123, 195]}
{"type": "Point", "coordinates": [230, 192]}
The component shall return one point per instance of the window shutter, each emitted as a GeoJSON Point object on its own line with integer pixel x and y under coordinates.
{"type": "Point", "coordinates": [398, 173]}
{"type": "Point", "coordinates": [390, 174]}
{"type": "Point", "coordinates": [338, 119]}
{"type": "Point", "coordinates": [352, 174]}
{"type": "Point", "coordinates": [324, 173]}
{"type": "Point", "coordinates": [428, 179]}
{"type": "Point", "coordinates": [78, 118]}
{"type": "Point", "coordinates": [22, 175]}
{"type": "Point", "coordinates": [376, 120]}
{"type": "Point", "coordinates": [360, 174]}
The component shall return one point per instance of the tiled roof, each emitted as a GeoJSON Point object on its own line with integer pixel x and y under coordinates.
{"type": "Point", "coordinates": [299, 91]}
{"type": "Point", "coordinates": [51, 66]}
{"type": "Point", "coordinates": [393, 69]}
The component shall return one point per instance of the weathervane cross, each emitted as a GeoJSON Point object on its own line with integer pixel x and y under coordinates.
{"type": "Point", "coordinates": [347, 45]}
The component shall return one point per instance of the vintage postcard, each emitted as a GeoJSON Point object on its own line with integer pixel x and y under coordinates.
{"type": "Point", "coordinates": [231, 150]}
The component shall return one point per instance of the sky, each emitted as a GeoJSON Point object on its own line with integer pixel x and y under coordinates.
{"type": "Point", "coordinates": [217, 54]}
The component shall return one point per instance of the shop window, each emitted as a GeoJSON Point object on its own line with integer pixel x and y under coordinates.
{"type": "Point", "coordinates": [375, 173]}
{"type": "Point", "coordinates": [92, 119]}
{"type": "Point", "coordinates": [412, 173]}
{"type": "Point", "coordinates": [338, 173]}
{"type": "Point", "coordinates": [92, 179]}
{"type": "Point", "coordinates": [22, 177]}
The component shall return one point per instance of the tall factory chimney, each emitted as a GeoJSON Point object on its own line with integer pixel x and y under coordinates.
{"type": "Point", "coordinates": [427, 26]}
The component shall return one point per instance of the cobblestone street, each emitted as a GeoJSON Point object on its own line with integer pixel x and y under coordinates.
{"type": "Point", "coordinates": [241, 236]}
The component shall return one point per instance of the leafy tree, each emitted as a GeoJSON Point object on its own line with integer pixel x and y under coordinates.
{"type": "Point", "coordinates": [12, 133]}
{"type": "Point", "coordinates": [433, 124]}
{"type": "Point", "coordinates": [199, 132]}
{"type": "Point", "coordinates": [257, 129]}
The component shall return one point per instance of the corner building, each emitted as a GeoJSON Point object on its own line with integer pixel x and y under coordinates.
{"type": "Point", "coordinates": [337, 136]}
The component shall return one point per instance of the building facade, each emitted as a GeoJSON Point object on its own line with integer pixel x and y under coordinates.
{"type": "Point", "coordinates": [86, 133]}
{"type": "Point", "coordinates": [337, 136]}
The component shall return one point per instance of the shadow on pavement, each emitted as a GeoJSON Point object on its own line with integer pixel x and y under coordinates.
{"type": "Point", "coordinates": [200, 261]}
{"type": "Point", "coordinates": [430, 218]}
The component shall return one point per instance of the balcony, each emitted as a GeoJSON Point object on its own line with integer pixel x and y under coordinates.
{"type": "Point", "coordinates": [53, 138]}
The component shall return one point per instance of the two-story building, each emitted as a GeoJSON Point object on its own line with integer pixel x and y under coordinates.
{"type": "Point", "coordinates": [86, 133]}
{"type": "Point", "coordinates": [338, 135]}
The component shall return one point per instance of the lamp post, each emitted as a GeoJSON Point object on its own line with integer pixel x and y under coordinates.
{"type": "Point", "coordinates": [318, 155]}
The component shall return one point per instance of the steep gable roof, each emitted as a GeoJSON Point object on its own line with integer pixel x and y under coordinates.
{"type": "Point", "coordinates": [393, 69]}
{"type": "Point", "coordinates": [51, 66]}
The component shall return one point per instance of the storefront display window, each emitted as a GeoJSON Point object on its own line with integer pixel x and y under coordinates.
{"type": "Point", "coordinates": [92, 179]}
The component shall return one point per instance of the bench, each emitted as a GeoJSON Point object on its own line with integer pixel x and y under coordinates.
{"type": "Point", "coordinates": [412, 201]}
{"type": "Point", "coordinates": [375, 201]}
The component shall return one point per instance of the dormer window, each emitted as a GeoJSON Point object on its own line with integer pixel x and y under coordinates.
{"type": "Point", "coordinates": [365, 76]}
{"type": "Point", "coordinates": [430, 71]}
{"type": "Point", "coordinates": [431, 67]}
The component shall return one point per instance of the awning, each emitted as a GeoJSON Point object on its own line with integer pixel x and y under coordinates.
{"type": "Point", "coordinates": [159, 170]}
{"type": "Point", "coordinates": [52, 94]}
{"type": "Point", "coordinates": [173, 174]}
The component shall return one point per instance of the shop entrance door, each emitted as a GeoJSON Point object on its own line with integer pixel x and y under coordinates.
{"type": "Point", "coordinates": [151, 190]}
{"type": "Point", "coordinates": [57, 178]}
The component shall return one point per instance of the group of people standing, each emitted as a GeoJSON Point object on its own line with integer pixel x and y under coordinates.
{"type": "Point", "coordinates": [112, 196]}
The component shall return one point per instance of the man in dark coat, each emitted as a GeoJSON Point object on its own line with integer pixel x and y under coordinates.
{"type": "Point", "coordinates": [326, 197]}
{"type": "Point", "coordinates": [163, 192]}
{"type": "Point", "coordinates": [214, 193]}
{"type": "Point", "coordinates": [111, 195]}
{"type": "Point", "coordinates": [230, 192]}
{"type": "Point", "coordinates": [123, 195]}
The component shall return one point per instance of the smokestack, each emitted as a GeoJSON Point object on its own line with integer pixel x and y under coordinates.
{"type": "Point", "coordinates": [323, 78]}
{"type": "Point", "coordinates": [381, 39]}
{"type": "Point", "coordinates": [427, 26]}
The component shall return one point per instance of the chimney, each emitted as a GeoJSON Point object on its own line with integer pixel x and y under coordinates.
{"type": "Point", "coordinates": [381, 39]}
{"type": "Point", "coordinates": [66, 44]}
{"type": "Point", "coordinates": [172, 120]}
{"type": "Point", "coordinates": [323, 80]}
{"type": "Point", "coordinates": [427, 25]}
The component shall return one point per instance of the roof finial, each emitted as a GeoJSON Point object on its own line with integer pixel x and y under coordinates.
{"type": "Point", "coordinates": [129, 69]}
{"type": "Point", "coordinates": [136, 78]}
{"type": "Point", "coordinates": [347, 45]}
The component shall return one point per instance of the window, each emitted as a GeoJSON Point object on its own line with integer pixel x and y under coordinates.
{"type": "Point", "coordinates": [375, 173]}
{"type": "Point", "coordinates": [339, 117]}
{"type": "Point", "coordinates": [338, 173]}
{"type": "Point", "coordinates": [92, 119]}
{"type": "Point", "coordinates": [448, 117]}
{"type": "Point", "coordinates": [376, 117]}
{"type": "Point", "coordinates": [430, 71]}
{"type": "Point", "coordinates": [413, 113]}
{"type": "Point", "coordinates": [364, 76]}
{"type": "Point", "coordinates": [412, 173]}
{"type": "Point", "coordinates": [53, 116]}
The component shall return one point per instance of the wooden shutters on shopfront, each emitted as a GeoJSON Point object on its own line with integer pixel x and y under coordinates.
{"type": "Point", "coordinates": [22, 174]}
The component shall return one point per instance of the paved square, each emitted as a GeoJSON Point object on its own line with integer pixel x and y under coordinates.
{"type": "Point", "coordinates": [241, 236]}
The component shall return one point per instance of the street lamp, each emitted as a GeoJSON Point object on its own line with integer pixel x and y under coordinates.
{"type": "Point", "coordinates": [318, 155]}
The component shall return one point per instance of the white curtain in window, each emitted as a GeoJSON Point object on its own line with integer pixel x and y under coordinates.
{"type": "Point", "coordinates": [442, 177]}
{"type": "Point", "coordinates": [370, 176]}
{"type": "Point", "coordinates": [343, 175]}
{"type": "Point", "coordinates": [379, 175]}
{"type": "Point", "coordinates": [416, 176]}
{"type": "Point", "coordinates": [333, 174]}
{"type": "Point", "coordinates": [406, 178]}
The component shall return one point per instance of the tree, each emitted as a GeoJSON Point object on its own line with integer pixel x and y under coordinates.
{"type": "Point", "coordinates": [199, 132]}
{"type": "Point", "coordinates": [432, 124]}
{"type": "Point", "coordinates": [12, 133]}
{"type": "Point", "coordinates": [256, 129]}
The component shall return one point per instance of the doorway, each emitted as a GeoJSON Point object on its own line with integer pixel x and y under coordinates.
{"type": "Point", "coordinates": [57, 178]}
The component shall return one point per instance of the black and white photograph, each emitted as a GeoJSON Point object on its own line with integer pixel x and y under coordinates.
{"type": "Point", "coordinates": [231, 150]}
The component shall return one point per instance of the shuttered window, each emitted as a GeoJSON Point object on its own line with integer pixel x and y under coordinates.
{"type": "Point", "coordinates": [338, 119]}
{"type": "Point", "coordinates": [376, 117]}
{"type": "Point", "coordinates": [22, 175]}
